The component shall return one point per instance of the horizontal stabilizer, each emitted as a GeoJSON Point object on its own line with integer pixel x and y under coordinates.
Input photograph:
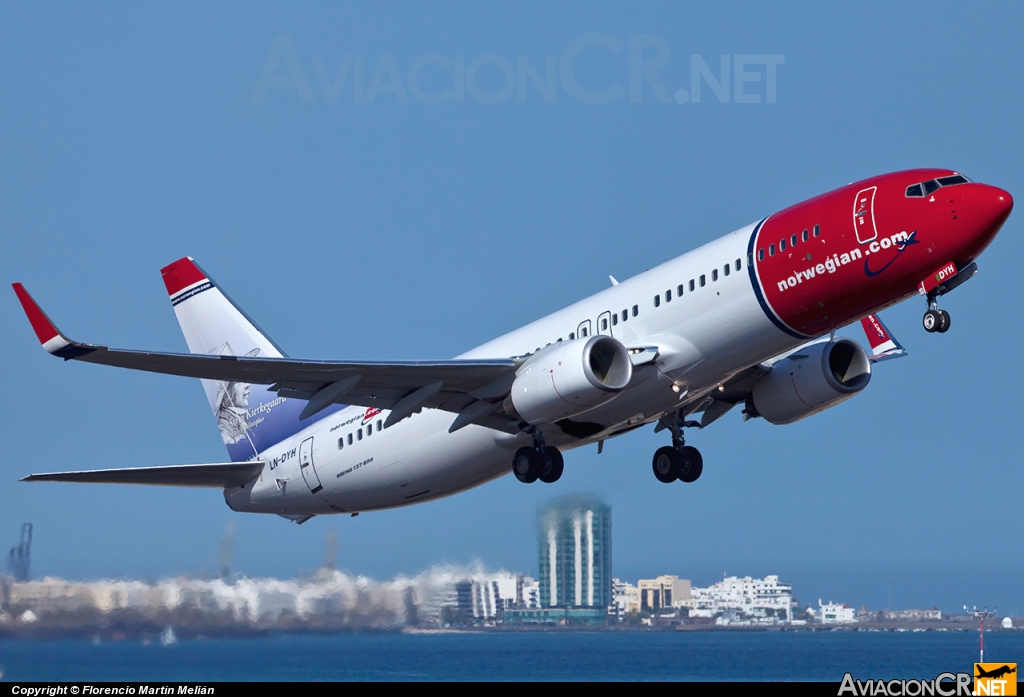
{"type": "Point", "coordinates": [216, 475]}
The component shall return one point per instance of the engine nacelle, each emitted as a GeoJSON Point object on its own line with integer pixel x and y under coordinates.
{"type": "Point", "coordinates": [570, 378]}
{"type": "Point", "coordinates": [811, 380]}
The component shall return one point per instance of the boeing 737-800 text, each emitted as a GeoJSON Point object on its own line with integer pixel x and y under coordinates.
{"type": "Point", "coordinates": [733, 322]}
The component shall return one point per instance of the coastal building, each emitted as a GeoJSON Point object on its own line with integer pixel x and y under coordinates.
{"type": "Point", "coordinates": [664, 592]}
{"type": "Point", "coordinates": [625, 598]}
{"type": "Point", "coordinates": [933, 615]}
{"type": "Point", "coordinates": [754, 600]}
{"type": "Point", "coordinates": [529, 594]}
{"type": "Point", "coordinates": [575, 553]}
{"type": "Point", "coordinates": [835, 613]}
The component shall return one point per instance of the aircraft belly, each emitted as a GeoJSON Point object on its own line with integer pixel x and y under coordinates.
{"type": "Point", "coordinates": [419, 463]}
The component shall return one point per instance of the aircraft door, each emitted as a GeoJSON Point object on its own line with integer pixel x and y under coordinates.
{"type": "Point", "coordinates": [583, 330]}
{"type": "Point", "coordinates": [864, 215]}
{"type": "Point", "coordinates": [604, 323]}
{"type": "Point", "coordinates": [306, 466]}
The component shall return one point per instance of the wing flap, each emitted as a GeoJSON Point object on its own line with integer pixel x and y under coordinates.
{"type": "Point", "coordinates": [219, 475]}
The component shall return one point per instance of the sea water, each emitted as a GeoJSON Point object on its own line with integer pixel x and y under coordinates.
{"type": "Point", "coordinates": [503, 655]}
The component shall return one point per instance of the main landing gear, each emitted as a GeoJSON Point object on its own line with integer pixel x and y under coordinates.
{"type": "Point", "coordinates": [678, 461]}
{"type": "Point", "coordinates": [538, 461]}
{"type": "Point", "coordinates": [935, 320]}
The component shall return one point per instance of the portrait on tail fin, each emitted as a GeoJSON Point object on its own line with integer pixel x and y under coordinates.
{"type": "Point", "coordinates": [232, 403]}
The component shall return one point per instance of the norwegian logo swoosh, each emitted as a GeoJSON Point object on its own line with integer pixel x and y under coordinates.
{"type": "Point", "coordinates": [900, 248]}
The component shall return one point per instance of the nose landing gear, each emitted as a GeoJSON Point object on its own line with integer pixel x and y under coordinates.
{"type": "Point", "coordinates": [538, 461]}
{"type": "Point", "coordinates": [678, 461]}
{"type": "Point", "coordinates": [935, 320]}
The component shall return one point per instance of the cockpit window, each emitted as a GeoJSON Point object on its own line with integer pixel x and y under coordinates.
{"type": "Point", "coordinates": [955, 179]}
{"type": "Point", "coordinates": [925, 188]}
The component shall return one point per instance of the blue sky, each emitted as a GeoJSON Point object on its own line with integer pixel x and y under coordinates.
{"type": "Point", "coordinates": [355, 224]}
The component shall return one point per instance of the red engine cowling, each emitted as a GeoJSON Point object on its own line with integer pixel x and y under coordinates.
{"type": "Point", "coordinates": [570, 378]}
{"type": "Point", "coordinates": [811, 380]}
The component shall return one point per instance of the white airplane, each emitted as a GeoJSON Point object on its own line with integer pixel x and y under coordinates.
{"type": "Point", "coordinates": [733, 322]}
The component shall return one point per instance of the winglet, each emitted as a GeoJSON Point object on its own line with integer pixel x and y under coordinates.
{"type": "Point", "coordinates": [47, 333]}
{"type": "Point", "coordinates": [883, 344]}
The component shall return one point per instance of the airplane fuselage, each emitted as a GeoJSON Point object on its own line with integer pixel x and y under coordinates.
{"type": "Point", "coordinates": [712, 313]}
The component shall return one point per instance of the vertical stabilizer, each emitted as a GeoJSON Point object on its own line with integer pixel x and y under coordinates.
{"type": "Point", "coordinates": [250, 417]}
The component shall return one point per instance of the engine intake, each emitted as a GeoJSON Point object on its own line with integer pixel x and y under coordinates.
{"type": "Point", "coordinates": [570, 378]}
{"type": "Point", "coordinates": [811, 380]}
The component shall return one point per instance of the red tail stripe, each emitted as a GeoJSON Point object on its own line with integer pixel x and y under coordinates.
{"type": "Point", "coordinates": [180, 275]}
{"type": "Point", "coordinates": [41, 324]}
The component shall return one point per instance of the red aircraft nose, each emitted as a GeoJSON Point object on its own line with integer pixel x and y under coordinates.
{"type": "Point", "coordinates": [982, 212]}
{"type": "Point", "coordinates": [990, 206]}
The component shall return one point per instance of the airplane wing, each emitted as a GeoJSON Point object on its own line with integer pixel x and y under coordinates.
{"type": "Point", "coordinates": [220, 475]}
{"type": "Point", "coordinates": [464, 387]}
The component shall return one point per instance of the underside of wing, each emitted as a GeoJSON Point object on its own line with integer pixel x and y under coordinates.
{"type": "Point", "coordinates": [219, 475]}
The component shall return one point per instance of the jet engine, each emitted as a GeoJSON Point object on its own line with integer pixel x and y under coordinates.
{"type": "Point", "coordinates": [813, 379]}
{"type": "Point", "coordinates": [569, 378]}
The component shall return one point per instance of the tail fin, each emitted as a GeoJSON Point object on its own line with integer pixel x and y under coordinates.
{"type": "Point", "coordinates": [883, 344]}
{"type": "Point", "coordinates": [251, 418]}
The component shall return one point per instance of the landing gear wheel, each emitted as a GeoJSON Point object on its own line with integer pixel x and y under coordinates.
{"type": "Point", "coordinates": [943, 322]}
{"type": "Point", "coordinates": [932, 320]}
{"type": "Point", "coordinates": [553, 465]}
{"type": "Point", "coordinates": [693, 465]}
{"type": "Point", "coordinates": [667, 464]}
{"type": "Point", "coordinates": [527, 464]}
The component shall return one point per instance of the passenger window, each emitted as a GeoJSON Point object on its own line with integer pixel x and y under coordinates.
{"type": "Point", "coordinates": [657, 301]}
{"type": "Point", "coordinates": [804, 236]}
{"type": "Point", "coordinates": [792, 241]}
{"type": "Point", "coordinates": [726, 269]}
{"type": "Point", "coordinates": [739, 265]}
{"type": "Point", "coordinates": [369, 430]}
{"type": "Point", "coordinates": [679, 289]}
{"type": "Point", "coordinates": [782, 245]}
{"type": "Point", "coordinates": [379, 425]}
{"type": "Point", "coordinates": [604, 324]}
{"type": "Point", "coordinates": [703, 281]}
{"type": "Point", "coordinates": [571, 336]}
{"type": "Point", "coordinates": [625, 315]}
{"type": "Point", "coordinates": [583, 333]}
{"type": "Point", "coordinates": [817, 230]}
{"type": "Point", "coordinates": [692, 285]}
{"type": "Point", "coordinates": [930, 186]}
{"type": "Point", "coordinates": [636, 310]}
{"type": "Point", "coordinates": [359, 434]}
{"type": "Point", "coordinates": [760, 254]}
{"type": "Point", "coordinates": [771, 249]}
{"type": "Point", "coordinates": [615, 319]}
{"type": "Point", "coordinates": [341, 443]}
{"type": "Point", "coordinates": [668, 296]}
{"type": "Point", "coordinates": [714, 274]}
{"type": "Point", "coordinates": [350, 439]}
